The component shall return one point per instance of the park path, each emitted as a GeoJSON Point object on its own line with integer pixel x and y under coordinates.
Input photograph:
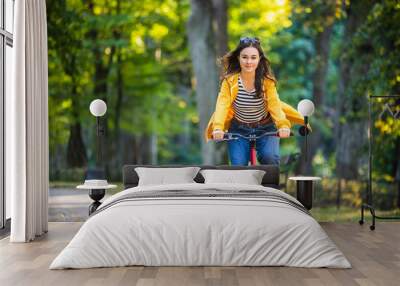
{"type": "Point", "coordinates": [69, 204]}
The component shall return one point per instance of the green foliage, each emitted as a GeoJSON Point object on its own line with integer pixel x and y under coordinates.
{"type": "Point", "coordinates": [71, 174]}
{"type": "Point", "coordinates": [144, 45]}
{"type": "Point", "coordinates": [59, 134]}
{"type": "Point", "coordinates": [379, 39]}
{"type": "Point", "coordinates": [377, 42]}
{"type": "Point", "coordinates": [257, 18]}
{"type": "Point", "coordinates": [154, 59]}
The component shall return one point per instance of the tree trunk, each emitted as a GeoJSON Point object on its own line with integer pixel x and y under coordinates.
{"type": "Point", "coordinates": [398, 193]}
{"type": "Point", "coordinates": [339, 193]}
{"type": "Point", "coordinates": [203, 56]}
{"type": "Point", "coordinates": [396, 157]}
{"type": "Point", "coordinates": [397, 170]}
{"type": "Point", "coordinates": [184, 138]}
{"type": "Point", "coordinates": [115, 142]}
{"type": "Point", "coordinates": [350, 124]}
{"type": "Point", "coordinates": [144, 149]}
{"type": "Point", "coordinates": [76, 151]}
{"type": "Point", "coordinates": [100, 91]}
{"type": "Point", "coordinates": [220, 26]}
{"type": "Point", "coordinates": [128, 150]}
{"type": "Point", "coordinates": [322, 47]}
{"type": "Point", "coordinates": [115, 145]}
{"type": "Point", "coordinates": [153, 160]}
{"type": "Point", "coordinates": [100, 86]}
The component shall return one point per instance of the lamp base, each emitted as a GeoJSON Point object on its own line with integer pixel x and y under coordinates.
{"type": "Point", "coordinates": [305, 193]}
{"type": "Point", "coordinates": [95, 194]}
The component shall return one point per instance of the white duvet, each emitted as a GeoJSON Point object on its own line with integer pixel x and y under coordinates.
{"type": "Point", "coordinates": [185, 231]}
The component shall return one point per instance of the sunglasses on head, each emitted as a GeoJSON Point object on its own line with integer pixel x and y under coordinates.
{"type": "Point", "coordinates": [249, 40]}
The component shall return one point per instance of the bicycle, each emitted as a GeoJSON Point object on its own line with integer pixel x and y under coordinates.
{"type": "Point", "coordinates": [252, 139]}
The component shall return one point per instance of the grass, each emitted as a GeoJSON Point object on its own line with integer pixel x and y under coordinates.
{"type": "Point", "coordinates": [346, 214]}
{"type": "Point", "coordinates": [62, 184]}
{"type": "Point", "coordinates": [72, 185]}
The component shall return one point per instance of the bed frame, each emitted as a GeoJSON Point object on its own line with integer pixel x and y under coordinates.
{"type": "Point", "coordinates": [271, 178]}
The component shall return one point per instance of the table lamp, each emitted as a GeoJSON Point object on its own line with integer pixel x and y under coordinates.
{"type": "Point", "coordinates": [98, 108]}
{"type": "Point", "coordinates": [305, 108]}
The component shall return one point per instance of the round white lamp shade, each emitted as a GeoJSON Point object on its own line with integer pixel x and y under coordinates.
{"type": "Point", "coordinates": [98, 107]}
{"type": "Point", "coordinates": [306, 107]}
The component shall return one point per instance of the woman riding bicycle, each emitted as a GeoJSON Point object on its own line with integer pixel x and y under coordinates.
{"type": "Point", "coordinates": [248, 103]}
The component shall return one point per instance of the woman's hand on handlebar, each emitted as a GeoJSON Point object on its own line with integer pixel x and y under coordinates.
{"type": "Point", "coordinates": [284, 132]}
{"type": "Point", "coordinates": [218, 134]}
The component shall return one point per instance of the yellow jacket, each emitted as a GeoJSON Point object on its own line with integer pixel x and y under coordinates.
{"type": "Point", "coordinates": [282, 114]}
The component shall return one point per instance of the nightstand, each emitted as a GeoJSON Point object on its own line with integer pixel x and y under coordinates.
{"type": "Point", "coordinates": [97, 190]}
{"type": "Point", "coordinates": [305, 186]}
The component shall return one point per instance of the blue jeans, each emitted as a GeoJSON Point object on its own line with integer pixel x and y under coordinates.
{"type": "Point", "coordinates": [267, 147]}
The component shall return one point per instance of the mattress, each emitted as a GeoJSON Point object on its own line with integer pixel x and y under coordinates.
{"type": "Point", "coordinates": [201, 225]}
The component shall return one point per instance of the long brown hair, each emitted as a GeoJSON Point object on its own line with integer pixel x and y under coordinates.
{"type": "Point", "coordinates": [231, 65]}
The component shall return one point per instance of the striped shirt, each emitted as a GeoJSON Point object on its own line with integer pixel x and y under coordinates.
{"type": "Point", "coordinates": [248, 108]}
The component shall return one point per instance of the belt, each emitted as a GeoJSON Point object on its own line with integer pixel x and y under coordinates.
{"type": "Point", "coordinates": [263, 121]}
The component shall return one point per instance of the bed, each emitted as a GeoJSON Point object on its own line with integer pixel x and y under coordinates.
{"type": "Point", "coordinates": [201, 224]}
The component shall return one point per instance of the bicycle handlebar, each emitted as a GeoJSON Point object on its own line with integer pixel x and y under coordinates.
{"type": "Point", "coordinates": [235, 136]}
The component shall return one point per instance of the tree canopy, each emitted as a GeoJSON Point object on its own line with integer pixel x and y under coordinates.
{"type": "Point", "coordinates": [136, 56]}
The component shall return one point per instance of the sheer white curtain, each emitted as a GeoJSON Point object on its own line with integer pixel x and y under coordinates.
{"type": "Point", "coordinates": [27, 124]}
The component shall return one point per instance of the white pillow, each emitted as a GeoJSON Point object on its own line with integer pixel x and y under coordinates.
{"type": "Point", "coordinates": [249, 177]}
{"type": "Point", "coordinates": [163, 176]}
